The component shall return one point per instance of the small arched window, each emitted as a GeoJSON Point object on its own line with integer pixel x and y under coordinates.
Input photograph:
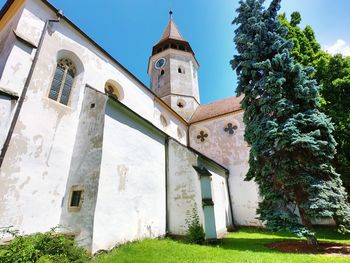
{"type": "Point", "coordinates": [181, 70]}
{"type": "Point", "coordinates": [62, 81]}
{"type": "Point", "coordinates": [114, 90]}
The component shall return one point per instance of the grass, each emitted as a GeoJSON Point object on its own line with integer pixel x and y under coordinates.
{"type": "Point", "coordinates": [247, 245]}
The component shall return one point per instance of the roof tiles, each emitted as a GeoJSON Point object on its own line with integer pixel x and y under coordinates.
{"type": "Point", "coordinates": [217, 108]}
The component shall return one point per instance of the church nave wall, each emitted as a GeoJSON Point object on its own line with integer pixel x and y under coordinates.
{"type": "Point", "coordinates": [131, 196]}
{"type": "Point", "coordinates": [222, 139]}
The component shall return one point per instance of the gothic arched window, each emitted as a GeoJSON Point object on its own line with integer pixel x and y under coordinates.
{"type": "Point", "coordinates": [62, 81]}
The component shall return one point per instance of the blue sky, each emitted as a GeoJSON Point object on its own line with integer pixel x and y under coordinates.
{"type": "Point", "coordinates": [128, 29]}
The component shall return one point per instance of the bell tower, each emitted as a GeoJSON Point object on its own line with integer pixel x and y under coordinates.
{"type": "Point", "coordinates": [173, 70]}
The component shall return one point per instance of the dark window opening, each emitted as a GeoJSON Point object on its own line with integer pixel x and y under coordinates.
{"type": "Point", "coordinates": [173, 46]}
{"type": "Point", "coordinates": [179, 70]}
{"type": "Point", "coordinates": [181, 47]}
{"type": "Point", "coordinates": [162, 72]}
{"type": "Point", "coordinates": [75, 199]}
{"type": "Point", "coordinates": [159, 50]}
{"type": "Point", "coordinates": [180, 105]}
{"type": "Point", "coordinates": [62, 82]}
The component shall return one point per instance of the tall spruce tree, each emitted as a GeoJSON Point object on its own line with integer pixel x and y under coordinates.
{"type": "Point", "coordinates": [291, 141]}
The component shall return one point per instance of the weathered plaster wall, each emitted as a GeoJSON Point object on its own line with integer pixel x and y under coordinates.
{"type": "Point", "coordinates": [185, 192]}
{"type": "Point", "coordinates": [85, 168]}
{"type": "Point", "coordinates": [231, 151]}
{"type": "Point", "coordinates": [17, 67]}
{"type": "Point", "coordinates": [37, 164]}
{"type": "Point", "coordinates": [99, 67]}
{"type": "Point", "coordinates": [184, 189]}
{"type": "Point", "coordinates": [15, 61]}
{"type": "Point", "coordinates": [131, 200]}
{"type": "Point", "coordinates": [222, 210]}
{"type": "Point", "coordinates": [7, 38]}
{"type": "Point", "coordinates": [7, 108]}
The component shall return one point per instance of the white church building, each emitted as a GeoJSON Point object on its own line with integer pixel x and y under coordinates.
{"type": "Point", "coordinates": [87, 146]}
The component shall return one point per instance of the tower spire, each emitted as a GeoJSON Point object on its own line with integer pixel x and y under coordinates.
{"type": "Point", "coordinates": [171, 30]}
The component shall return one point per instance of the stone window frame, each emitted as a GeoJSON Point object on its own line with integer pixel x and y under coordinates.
{"type": "Point", "coordinates": [114, 90]}
{"type": "Point", "coordinates": [76, 188]}
{"type": "Point", "coordinates": [63, 81]}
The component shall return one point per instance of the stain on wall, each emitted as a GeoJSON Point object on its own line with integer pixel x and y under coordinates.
{"type": "Point", "coordinates": [184, 189]}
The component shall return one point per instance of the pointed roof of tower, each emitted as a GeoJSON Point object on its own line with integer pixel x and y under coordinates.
{"type": "Point", "coordinates": [172, 39]}
{"type": "Point", "coordinates": [171, 32]}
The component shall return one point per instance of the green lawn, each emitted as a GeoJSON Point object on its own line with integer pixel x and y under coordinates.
{"type": "Point", "coordinates": [247, 245]}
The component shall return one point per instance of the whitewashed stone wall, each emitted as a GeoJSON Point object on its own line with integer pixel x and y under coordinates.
{"type": "Point", "coordinates": [85, 166]}
{"type": "Point", "coordinates": [37, 163]}
{"type": "Point", "coordinates": [232, 152]}
{"type": "Point", "coordinates": [184, 189]}
{"type": "Point", "coordinates": [185, 193]}
{"type": "Point", "coordinates": [220, 195]}
{"type": "Point", "coordinates": [131, 198]}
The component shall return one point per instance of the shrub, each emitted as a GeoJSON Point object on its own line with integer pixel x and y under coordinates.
{"type": "Point", "coordinates": [49, 247]}
{"type": "Point", "coordinates": [195, 233]}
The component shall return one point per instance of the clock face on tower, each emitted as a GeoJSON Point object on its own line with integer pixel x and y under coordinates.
{"type": "Point", "coordinates": [160, 63]}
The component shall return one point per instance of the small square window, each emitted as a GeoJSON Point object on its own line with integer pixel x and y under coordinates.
{"type": "Point", "coordinates": [75, 198]}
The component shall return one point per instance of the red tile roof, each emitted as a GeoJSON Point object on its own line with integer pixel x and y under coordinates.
{"type": "Point", "coordinates": [171, 32]}
{"type": "Point", "coordinates": [217, 108]}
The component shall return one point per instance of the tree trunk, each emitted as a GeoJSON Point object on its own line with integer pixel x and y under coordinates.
{"type": "Point", "coordinates": [311, 240]}
{"type": "Point", "coordinates": [304, 219]}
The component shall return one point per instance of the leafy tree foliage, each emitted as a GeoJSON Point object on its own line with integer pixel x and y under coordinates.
{"type": "Point", "coordinates": [333, 74]}
{"type": "Point", "coordinates": [306, 50]}
{"type": "Point", "coordinates": [291, 141]}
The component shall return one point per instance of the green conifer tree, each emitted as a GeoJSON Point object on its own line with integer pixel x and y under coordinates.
{"type": "Point", "coordinates": [291, 141]}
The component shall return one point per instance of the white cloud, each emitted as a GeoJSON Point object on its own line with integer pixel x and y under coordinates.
{"type": "Point", "coordinates": [340, 46]}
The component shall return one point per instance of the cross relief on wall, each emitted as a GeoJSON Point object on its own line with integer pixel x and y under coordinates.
{"type": "Point", "coordinates": [230, 128]}
{"type": "Point", "coordinates": [202, 135]}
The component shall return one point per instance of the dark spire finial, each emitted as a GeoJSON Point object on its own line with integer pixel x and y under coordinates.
{"type": "Point", "coordinates": [171, 14]}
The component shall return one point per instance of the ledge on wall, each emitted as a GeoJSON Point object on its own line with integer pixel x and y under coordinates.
{"type": "Point", "coordinates": [8, 93]}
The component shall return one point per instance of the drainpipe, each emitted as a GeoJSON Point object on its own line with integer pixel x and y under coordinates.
{"type": "Point", "coordinates": [26, 85]}
{"type": "Point", "coordinates": [230, 202]}
{"type": "Point", "coordinates": [166, 185]}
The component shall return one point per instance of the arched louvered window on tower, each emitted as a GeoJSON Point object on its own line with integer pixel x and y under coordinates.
{"type": "Point", "coordinates": [62, 81]}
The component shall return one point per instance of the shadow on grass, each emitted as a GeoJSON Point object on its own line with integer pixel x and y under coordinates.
{"type": "Point", "coordinates": [322, 232]}
{"type": "Point", "coordinates": [254, 239]}
{"type": "Point", "coordinates": [248, 244]}
{"type": "Point", "coordinates": [254, 230]}
{"type": "Point", "coordinates": [241, 244]}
